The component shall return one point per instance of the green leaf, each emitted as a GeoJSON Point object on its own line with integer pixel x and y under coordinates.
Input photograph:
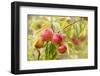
{"type": "Point", "coordinates": [46, 51]}
{"type": "Point", "coordinates": [52, 51]}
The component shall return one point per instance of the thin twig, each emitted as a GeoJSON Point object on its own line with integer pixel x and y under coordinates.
{"type": "Point", "coordinates": [38, 54]}
{"type": "Point", "coordinates": [52, 24]}
{"type": "Point", "coordinates": [52, 27]}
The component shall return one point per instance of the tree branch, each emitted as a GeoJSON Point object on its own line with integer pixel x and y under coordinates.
{"type": "Point", "coordinates": [71, 24]}
{"type": "Point", "coordinates": [38, 54]}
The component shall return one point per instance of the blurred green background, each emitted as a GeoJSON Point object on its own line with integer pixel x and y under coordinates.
{"type": "Point", "coordinates": [73, 28]}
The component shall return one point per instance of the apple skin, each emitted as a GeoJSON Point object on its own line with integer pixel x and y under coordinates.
{"type": "Point", "coordinates": [82, 38]}
{"type": "Point", "coordinates": [57, 38]}
{"type": "Point", "coordinates": [75, 40]}
{"type": "Point", "coordinates": [39, 43]}
{"type": "Point", "coordinates": [62, 48]}
{"type": "Point", "coordinates": [47, 34]}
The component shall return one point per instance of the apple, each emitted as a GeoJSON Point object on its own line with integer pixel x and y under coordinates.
{"type": "Point", "coordinates": [57, 38]}
{"type": "Point", "coordinates": [47, 34]}
{"type": "Point", "coordinates": [62, 48]}
{"type": "Point", "coordinates": [82, 38]}
{"type": "Point", "coordinates": [75, 40]}
{"type": "Point", "coordinates": [39, 43]}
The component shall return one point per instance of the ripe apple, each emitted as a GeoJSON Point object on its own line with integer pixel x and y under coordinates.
{"type": "Point", "coordinates": [39, 43]}
{"type": "Point", "coordinates": [47, 34]}
{"type": "Point", "coordinates": [57, 38]}
{"type": "Point", "coordinates": [62, 48]}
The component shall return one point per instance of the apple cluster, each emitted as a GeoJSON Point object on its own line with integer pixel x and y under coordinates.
{"type": "Point", "coordinates": [56, 38]}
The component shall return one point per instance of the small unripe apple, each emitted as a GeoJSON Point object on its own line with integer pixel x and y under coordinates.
{"type": "Point", "coordinates": [57, 38]}
{"type": "Point", "coordinates": [39, 43]}
{"type": "Point", "coordinates": [62, 48]}
{"type": "Point", "coordinates": [47, 34]}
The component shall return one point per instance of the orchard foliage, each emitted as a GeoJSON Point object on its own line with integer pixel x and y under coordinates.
{"type": "Point", "coordinates": [57, 37]}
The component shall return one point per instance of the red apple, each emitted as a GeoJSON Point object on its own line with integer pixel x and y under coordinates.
{"type": "Point", "coordinates": [57, 38]}
{"type": "Point", "coordinates": [75, 40]}
{"type": "Point", "coordinates": [62, 48]}
{"type": "Point", "coordinates": [47, 34]}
